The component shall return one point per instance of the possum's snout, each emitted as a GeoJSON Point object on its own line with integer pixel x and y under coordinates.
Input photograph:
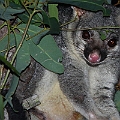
{"type": "Point", "coordinates": [94, 56]}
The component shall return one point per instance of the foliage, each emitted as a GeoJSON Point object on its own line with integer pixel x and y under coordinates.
{"type": "Point", "coordinates": [117, 100]}
{"type": "Point", "coordinates": [1, 108]}
{"type": "Point", "coordinates": [31, 36]}
{"type": "Point", "coordinates": [93, 5]}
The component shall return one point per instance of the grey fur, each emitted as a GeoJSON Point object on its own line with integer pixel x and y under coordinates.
{"type": "Point", "coordinates": [90, 87]}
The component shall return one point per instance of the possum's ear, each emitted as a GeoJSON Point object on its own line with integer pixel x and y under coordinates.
{"type": "Point", "coordinates": [77, 11]}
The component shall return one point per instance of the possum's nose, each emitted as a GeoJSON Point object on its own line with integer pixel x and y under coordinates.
{"type": "Point", "coordinates": [94, 56]}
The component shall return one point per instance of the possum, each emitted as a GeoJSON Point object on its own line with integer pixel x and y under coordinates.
{"type": "Point", "coordinates": [86, 89]}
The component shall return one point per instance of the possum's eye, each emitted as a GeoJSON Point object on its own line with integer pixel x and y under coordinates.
{"type": "Point", "coordinates": [112, 42]}
{"type": "Point", "coordinates": [85, 34]}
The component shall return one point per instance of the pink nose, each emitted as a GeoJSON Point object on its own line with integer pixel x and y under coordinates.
{"type": "Point", "coordinates": [94, 57]}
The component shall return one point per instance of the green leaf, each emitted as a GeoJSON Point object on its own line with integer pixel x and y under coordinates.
{"type": "Point", "coordinates": [5, 42]}
{"type": "Point", "coordinates": [52, 22]}
{"type": "Point", "coordinates": [22, 61]}
{"type": "Point", "coordinates": [117, 100]}
{"type": "Point", "coordinates": [1, 108]}
{"type": "Point", "coordinates": [8, 64]}
{"type": "Point", "coordinates": [15, 4]}
{"type": "Point", "coordinates": [36, 20]}
{"type": "Point", "coordinates": [93, 5]}
{"type": "Point", "coordinates": [109, 1]}
{"type": "Point", "coordinates": [7, 13]}
{"type": "Point", "coordinates": [45, 17]}
{"type": "Point", "coordinates": [53, 11]}
{"type": "Point", "coordinates": [47, 54]}
{"type": "Point", "coordinates": [1, 1]}
{"type": "Point", "coordinates": [23, 57]}
{"type": "Point", "coordinates": [11, 91]}
{"type": "Point", "coordinates": [43, 1]}
{"type": "Point", "coordinates": [102, 35]}
{"type": "Point", "coordinates": [34, 32]}
{"type": "Point", "coordinates": [54, 26]}
{"type": "Point", "coordinates": [16, 1]}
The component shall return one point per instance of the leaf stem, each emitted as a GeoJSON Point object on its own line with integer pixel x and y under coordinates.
{"type": "Point", "coordinates": [19, 46]}
{"type": "Point", "coordinates": [1, 26]}
{"type": "Point", "coordinates": [8, 47]}
{"type": "Point", "coordinates": [96, 28]}
{"type": "Point", "coordinates": [44, 29]}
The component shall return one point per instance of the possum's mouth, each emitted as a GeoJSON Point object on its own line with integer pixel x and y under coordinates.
{"type": "Point", "coordinates": [94, 57]}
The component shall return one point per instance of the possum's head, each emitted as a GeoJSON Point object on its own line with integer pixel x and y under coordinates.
{"type": "Point", "coordinates": [96, 50]}
{"type": "Point", "coordinates": [97, 45]}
